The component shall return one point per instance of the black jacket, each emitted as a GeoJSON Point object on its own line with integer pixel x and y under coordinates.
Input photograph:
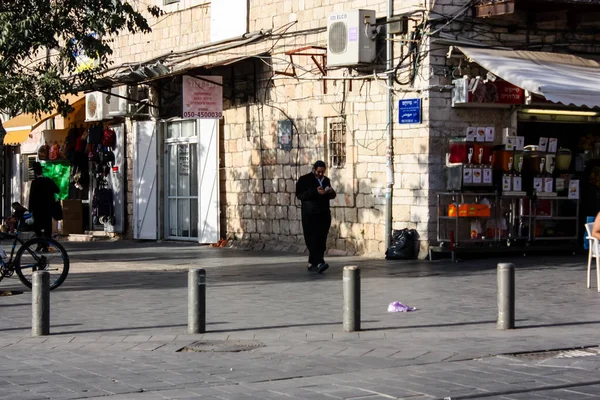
{"type": "Point", "coordinates": [312, 201]}
{"type": "Point", "coordinates": [41, 196]}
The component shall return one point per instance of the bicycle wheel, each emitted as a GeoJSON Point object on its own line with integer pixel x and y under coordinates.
{"type": "Point", "coordinates": [42, 254]}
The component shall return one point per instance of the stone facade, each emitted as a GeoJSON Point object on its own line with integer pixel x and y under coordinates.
{"type": "Point", "coordinates": [257, 177]}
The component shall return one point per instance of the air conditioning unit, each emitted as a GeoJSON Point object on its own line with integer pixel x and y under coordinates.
{"type": "Point", "coordinates": [117, 101]}
{"type": "Point", "coordinates": [96, 106]}
{"type": "Point", "coordinates": [351, 38]}
{"type": "Point", "coordinates": [140, 98]}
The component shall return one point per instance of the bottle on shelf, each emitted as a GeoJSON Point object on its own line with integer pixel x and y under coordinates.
{"type": "Point", "coordinates": [517, 177]}
{"type": "Point", "coordinates": [507, 177]}
{"type": "Point", "coordinates": [538, 179]}
{"type": "Point", "coordinates": [549, 178]}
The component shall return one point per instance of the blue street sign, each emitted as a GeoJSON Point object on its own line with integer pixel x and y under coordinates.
{"type": "Point", "coordinates": [409, 111]}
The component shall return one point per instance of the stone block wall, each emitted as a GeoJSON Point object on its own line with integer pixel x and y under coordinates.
{"type": "Point", "coordinates": [258, 201]}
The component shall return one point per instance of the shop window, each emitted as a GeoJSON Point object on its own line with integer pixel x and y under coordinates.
{"type": "Point", "coordinates": [336, 147]}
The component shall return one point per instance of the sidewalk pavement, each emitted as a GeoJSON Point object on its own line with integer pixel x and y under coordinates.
{"type": "Point", "coordinates": [118, 322]}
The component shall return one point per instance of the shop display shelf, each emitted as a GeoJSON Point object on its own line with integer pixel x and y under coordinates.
{"type": "Point", "coordinates": [464, 217]}
{"type": "Point", "coordinates": [510, 208]}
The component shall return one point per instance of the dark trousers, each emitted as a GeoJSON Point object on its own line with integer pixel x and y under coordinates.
{"type": "Point", "coordinates": [42, 225]}
{"type": "Point", "coordinates": [316, 227]}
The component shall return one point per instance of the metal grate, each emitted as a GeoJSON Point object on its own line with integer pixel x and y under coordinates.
{"type": "Point", "coordinates": [338, 37]}
{"type": "Point", "coordinates": [337, 144]}
{"type": "Point", "coordinates": [546, 355]}
{"type": "Point", "coordinates": [29, 160]}
{"type": "Point", "coordinates": [222, 346]}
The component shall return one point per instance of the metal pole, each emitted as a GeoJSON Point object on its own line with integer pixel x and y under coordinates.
{"type": "Point", "coordinates": [196, 301]}
{"type": "Point", "coordinates": [506, 296]}
{"type": "Point", "coordinates": [351, 283]}
{"type": "Point", "coordinates": [389, 153]}
{"type": "Point", "coordinates": [40, 303]}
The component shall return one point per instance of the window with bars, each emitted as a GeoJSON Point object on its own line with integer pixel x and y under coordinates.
{"type": "Point", "coordinates": [29, 160]}
{"type": "Point", "coordinates": [337, 144]}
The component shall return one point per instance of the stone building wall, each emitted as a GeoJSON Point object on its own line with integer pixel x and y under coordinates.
{"type": "Point", "coordinates": [258, 204]}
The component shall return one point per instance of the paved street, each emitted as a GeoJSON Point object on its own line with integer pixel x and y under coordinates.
{"type": "Point", "coordinates": [119, 320]}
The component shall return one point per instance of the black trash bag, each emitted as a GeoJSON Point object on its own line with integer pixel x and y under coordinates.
{"type": "Point", "coordinates": [403, 245]}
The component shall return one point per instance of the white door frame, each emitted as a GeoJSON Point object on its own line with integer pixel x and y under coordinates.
{"type": "Point", "coordinates": [208, 178]}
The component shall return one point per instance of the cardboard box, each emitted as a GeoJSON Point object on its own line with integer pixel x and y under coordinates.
{"type": "Point", "coordinates": [72, 209]}
{"type": "Point", "coordinates": [469, 210]}
{"type": "Point", "coordinates": [72, 222]}
{"type": "Point", "coordinates": [72, 226]}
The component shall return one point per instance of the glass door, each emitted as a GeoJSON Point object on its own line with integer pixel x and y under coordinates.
{"type": "Point", "coordinates": [181, 145]}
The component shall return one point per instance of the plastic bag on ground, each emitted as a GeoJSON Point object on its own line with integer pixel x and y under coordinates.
{"type": "Point", "coordinates": [396, 306]}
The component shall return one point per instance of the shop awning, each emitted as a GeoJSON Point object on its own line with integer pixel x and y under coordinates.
{"type": "Point", "coordinates": [19, 127]}
{"type": "Point", "coordinates": [560, 78]}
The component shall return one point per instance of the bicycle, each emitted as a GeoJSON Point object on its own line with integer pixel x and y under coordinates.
{"type": "Point", "coordinates": [37, 254]}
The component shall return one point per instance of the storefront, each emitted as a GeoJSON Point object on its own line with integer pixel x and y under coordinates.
{"type": "Point", "coordinates": [77, 154]}
{"type": "Point", "coordinates": [530, 177]}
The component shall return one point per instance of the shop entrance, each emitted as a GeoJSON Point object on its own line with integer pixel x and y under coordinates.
{"type": "Point", "coordinates": [191, 181]}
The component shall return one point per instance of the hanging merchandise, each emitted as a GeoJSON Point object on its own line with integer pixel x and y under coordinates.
{"type": "Point", "coordinates": [42, 152]}
{"type": "Point", "coordinates": [54, 152]}
{"type": "Point", "coordinates": [476, 229]}
{"type": "Point", "coordinates": [109, 139]}
{"type": "Point", "coordinates": [102, 206]}
{"type": "Point", "coordinates": [107, 157]}
{"type": "Point", "coordinates": [96, 134]}
{"type": "Point", "coordinates": [60, 173]}
{"type": "Point", "coordinates": [71, 143]}
{"type": "Point", "coordinates": [93, 154]}
{"type": "Point", "coordinates": [81, 143]}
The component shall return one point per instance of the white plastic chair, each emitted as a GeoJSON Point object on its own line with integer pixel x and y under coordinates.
{"type": "Point", "coordinates": [593, 252]}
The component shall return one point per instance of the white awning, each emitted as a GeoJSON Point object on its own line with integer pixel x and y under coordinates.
{"type": "Point", "coordinates": [560, 78]}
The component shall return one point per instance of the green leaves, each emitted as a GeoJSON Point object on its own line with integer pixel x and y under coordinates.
{"type": "Point", "coordinates": [78, 34]}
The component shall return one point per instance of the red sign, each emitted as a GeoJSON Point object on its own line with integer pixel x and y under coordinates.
{"type": "Point", "coordinates": [498, 92]}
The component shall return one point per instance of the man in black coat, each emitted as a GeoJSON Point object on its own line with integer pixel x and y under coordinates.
{"type": "Point", "coordinates": [314, 191]}
{"type": "Point", "coordinates": [41, 201]}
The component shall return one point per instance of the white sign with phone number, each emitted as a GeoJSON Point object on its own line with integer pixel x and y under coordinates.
{"type": "Point", "coordinates": [203, 98]}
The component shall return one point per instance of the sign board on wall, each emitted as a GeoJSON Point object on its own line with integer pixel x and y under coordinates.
{"type": "Point", "coordinates": [202, 98]}
{"type": "Point", "coordinates": [475, 91]}
{"type": "Point", "coordinates": [228, 19]}
{"type": "Point", "coordinates": [409, 111]}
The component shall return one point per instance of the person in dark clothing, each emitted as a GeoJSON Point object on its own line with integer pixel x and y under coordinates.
{"type": "Point", "coordinates": [314, 191]}
{"type": "Point", "coordinates": [41, 201]}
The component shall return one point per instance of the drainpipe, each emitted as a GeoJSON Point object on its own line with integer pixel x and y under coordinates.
{"type": "Point", "coordinates": [389, 154]}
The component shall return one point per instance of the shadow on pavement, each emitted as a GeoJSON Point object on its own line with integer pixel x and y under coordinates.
{"type": "Point", "coordinates": [29, 327]}
{"type": "Point", "coordinates": [558, 324]}
{"type": "Point", "coordinates": [129, 328]}
{"type": "Point", "coordinates": [264, 328]}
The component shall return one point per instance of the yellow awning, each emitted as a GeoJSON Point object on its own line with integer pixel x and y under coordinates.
{"type": "Point", "coordinates": [19, 127]}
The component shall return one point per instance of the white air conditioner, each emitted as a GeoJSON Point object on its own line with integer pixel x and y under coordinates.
{"type": "Point", "coordinates": [117, 101]}
{"type": "Point", "coordinates": [351, 38]}
{"type": "Point", "coordinates": [96, 106]}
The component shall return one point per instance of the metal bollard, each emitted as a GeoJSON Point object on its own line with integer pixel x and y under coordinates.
{"type": "Point", "coordinates": [196, 301]}
{"type": "Point", "coordinates": [40, 303]}
{"type": "Point", "coordinates": [351, 287]}
{"type": "Point", "coordinates": [506, 296]}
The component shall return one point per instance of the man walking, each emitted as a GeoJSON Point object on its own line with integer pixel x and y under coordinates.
{"type": "Point", "coordinates": [314, 191]}
{"type": "Point", "coordinates": [41, 201]}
